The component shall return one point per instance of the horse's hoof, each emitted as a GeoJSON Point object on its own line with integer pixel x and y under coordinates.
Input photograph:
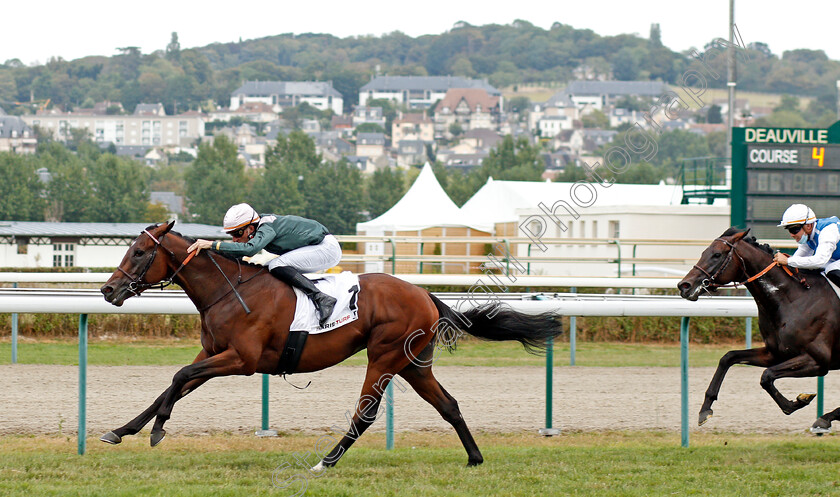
{"type": "Point", "coordinates": [111, 438]}
{"type": "Point", "coordinates": [806, 398]}
{"type": "Point", "coordinates": [821, 426]}
{"type": "Point", "coordinates": [318, 468]}
{"type": "Point", "coordinates": [704, 416]}
{"type": "Point", "coordinates": [157, 437]}
{"type": "Point", "coordinates": [474, 462]}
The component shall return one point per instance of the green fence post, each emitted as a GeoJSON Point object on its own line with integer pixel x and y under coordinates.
{"type": "Point", "coordinates": [264, 401]}
{"type": "Point", "coordinates": [83, 353]}
{"type": "Point", "coordinates": [389, 416]}
{"type": "Point", "coordinates": [14, 333]}
{"type": "Point", "coordinates": [572, 335]}
{"type": "Point", "coordinates": [549, 388]}
{"type": "Point", "coordinates": [749, 332]}
{"type": "Point", "coordinates": [264, 431]}
{"type": "Point", "coordinates": [820, 389]}
{"type": "Point", "coordinates": [684, 379]}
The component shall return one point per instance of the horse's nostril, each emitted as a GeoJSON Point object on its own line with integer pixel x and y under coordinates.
{"type": "Point", "coordinates": [106, 290]}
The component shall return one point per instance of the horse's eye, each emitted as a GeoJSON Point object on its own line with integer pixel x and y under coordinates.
{"type": "Point", "coordinates": [138, 253]}
{"type": "Point", "coordinates": [716, 255]}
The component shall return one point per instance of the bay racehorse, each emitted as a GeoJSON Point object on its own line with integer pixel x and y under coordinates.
{"type": "Point", "coordinates": [398, 324]}
{"type": "Point", "coordinates": [798, 317]}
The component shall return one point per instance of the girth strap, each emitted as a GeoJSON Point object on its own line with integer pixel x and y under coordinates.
{"type": "Point", "coordinates": [290, 357]}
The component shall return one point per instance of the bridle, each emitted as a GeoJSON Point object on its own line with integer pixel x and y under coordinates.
{"type": "Point", "coordinates": [137, 285]}
{"type": "Point", "coordinates": [709, 282]}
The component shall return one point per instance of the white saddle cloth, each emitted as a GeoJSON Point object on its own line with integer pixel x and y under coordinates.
{"type": "Point", "coordinates": [344, 287]}
{"type": "Point", "coordinates": [832, 285]}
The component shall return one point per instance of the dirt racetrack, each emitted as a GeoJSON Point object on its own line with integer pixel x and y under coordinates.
{"type": "Point", "coordinates": [43, 400]}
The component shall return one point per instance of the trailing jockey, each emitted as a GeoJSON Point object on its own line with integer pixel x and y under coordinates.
{"type": "Point", "coordinates": [818, 241]}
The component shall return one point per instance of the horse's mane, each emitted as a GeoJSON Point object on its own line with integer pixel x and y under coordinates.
{"type": "Point", "coordinates": [749, 239]}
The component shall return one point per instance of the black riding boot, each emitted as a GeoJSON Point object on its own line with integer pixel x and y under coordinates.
{"type": "Point", "coordinates": [324, 304]}
{"type": "Point", "coordinates": [834, 276]}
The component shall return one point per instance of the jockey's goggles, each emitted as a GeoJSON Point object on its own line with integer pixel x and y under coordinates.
{"type": "Point", "coordinates": [796, 228]}
{"type": "Point", "coordinates": [238, 233]}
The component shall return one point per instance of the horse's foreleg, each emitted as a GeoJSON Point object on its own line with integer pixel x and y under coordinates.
{"type": "Point", "coordinates": [425, 384]}
{"type": "Point", "coordinates": [799, 367]}
{"type": "Point", "coordinates": [823, 423]}
{"type": "Point", "coordinates": [135, 425]}
{"type": "Point", "coordinates": [226, 363]}
{"type": "Point", "coordinates": [754, 357]}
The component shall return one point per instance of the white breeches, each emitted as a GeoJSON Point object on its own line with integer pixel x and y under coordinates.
{"type": "Point", "coordinates": [311, 258]}
{"type": "Point", "coordinates": [831, 266]}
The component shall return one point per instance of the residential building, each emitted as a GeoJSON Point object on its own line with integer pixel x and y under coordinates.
{"type": "Point", "coordinates": [419, 92]}
{"type": "Point", "coordinates": [558, 106]}
{"type": "Point", "coordinates": [601, 94]}
{"type": "Point", "coordinates": [469, 108]}
{"type": "Point", "coordinates": [149, 126]}
{"type": "Point", "coordinates": [412, 126]}
{"type": "Point", "coordinates": [364, 115]}
{"type": "Point", "coordinates": [255, 112]}
{"type": "Point", "coordinates": [411, 153]}
{"type": "Point", "coordinates": [281, 94]}
{"type": "Point", "coordinates": [16, 136]}
{"type": "Point", "coordinates": [370, 144]}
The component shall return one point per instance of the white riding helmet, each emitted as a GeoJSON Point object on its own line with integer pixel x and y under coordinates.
{"type": "Point", "coordinates": [798, 214]}
{"type": "Point", "coordinates": [238, 216]}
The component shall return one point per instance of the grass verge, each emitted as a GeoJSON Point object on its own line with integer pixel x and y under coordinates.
{"type": "Point", "coordinates": [470, 352]}
{"type": "Point", "coordinates": [580, 464]}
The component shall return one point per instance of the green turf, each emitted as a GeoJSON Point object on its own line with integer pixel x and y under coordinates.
{"type": "Point", "coordinates": [470, 352]}
{"type": "Point", "coordinates": [583, 464]}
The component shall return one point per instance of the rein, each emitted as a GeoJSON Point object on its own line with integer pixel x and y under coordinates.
{"type": "Point", "coordinates": [137, 286]}
{"type": "Point", "coordinates": [709, 282]}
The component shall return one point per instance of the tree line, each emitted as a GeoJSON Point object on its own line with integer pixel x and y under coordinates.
{"type": "Point", "coordinates": [87, 184]}
{"type": "Point", "coordinates": [516, 53]}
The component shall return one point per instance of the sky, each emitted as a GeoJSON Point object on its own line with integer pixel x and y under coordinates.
{"type": "Point", "coordinates": [89, 27]}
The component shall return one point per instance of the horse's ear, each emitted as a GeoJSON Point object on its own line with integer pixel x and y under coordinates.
{"type": "Point", "coordinates": [739, 236]}
{"type": "Point", "coordinates": [168, 227]}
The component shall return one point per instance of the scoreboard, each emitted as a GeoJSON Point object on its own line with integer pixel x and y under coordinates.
{"type": "Point", "coordinates": [775, 167]}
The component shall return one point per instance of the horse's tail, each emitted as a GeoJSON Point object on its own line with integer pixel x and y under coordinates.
{"type": "Point", "coordinates": [498, 322]}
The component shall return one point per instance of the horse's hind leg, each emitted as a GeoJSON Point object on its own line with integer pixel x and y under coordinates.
{"type": "Point", "coordinates": [753, 357]}
{"type": "Point", "coordinates": [424, 383]}
{"type": "Point", "coordinates": [135, 425]}
{"type": "Point", "coordinates": [799, 367]}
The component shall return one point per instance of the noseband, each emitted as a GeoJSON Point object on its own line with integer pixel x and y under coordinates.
{"type": "Point", "coordinates": [137, 285]}
{"type": "Point", "coordinates": [710, 284]}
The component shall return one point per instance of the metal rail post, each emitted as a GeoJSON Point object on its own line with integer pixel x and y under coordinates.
{"type": "Point", "coordinates": [389, 416]}
{"type": "Point", "coordinates": [749, 332]}
{"type": "Point", "coordinates": [264, 401]}
{"type": "Point", "coordinates": [14, 333]}
{"type": "Point", "coordinates": [549, 390]}
{"type": "Point", "coordinates": [572, 335]}
{"type": "Point", "coordinates": [684, 380]}
{"type": "Point", "coordinates": [264, 431]}
{"type": "Point", "coordinates": [83, 353]}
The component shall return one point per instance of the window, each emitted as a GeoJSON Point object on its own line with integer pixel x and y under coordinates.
{"type": "Point", "coordinates": [22, 246]}
{"type": "Point", "coordinates": [63, 254]}
{"type": "Point", "coordinates": [594, 229]}
{"type": "Point", "coordinates": [583, 228]}
{"type": "Point", "coordinates": [614, 229]}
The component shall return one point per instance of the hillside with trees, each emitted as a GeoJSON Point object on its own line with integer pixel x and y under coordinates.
{"type": "Point", "coordinates": [505, 55]}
